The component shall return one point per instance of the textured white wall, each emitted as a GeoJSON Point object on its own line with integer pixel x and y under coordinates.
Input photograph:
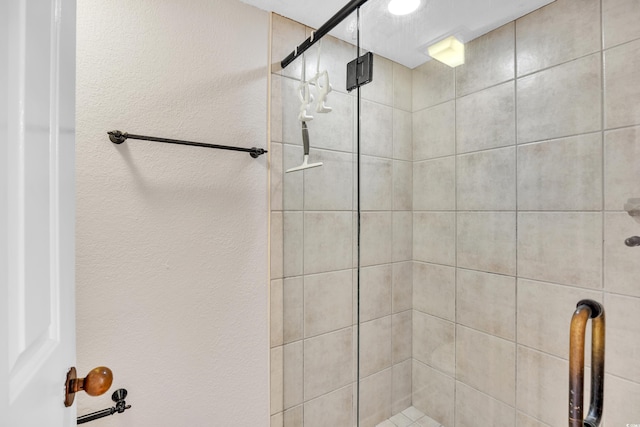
{"type": "Point", "coordinates": [172, 240]}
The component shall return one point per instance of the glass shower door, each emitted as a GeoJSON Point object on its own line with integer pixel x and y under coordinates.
{"type": "Point", "coordinates": [386, 267]}
{"type": "Point", "coordinates": [314, 262]}
{"type": "Point", "coordinates": [496, 195]}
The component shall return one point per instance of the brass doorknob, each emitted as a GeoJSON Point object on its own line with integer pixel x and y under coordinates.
{"type": "Point", "coordinates": [96, 382]}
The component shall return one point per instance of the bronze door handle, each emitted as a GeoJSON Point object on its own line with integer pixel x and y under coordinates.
{"type": "Point", "coordinates": [96, 382]}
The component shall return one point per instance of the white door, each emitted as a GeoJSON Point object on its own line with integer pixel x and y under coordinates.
{"type": "Point", "coordinates": [37, 210]}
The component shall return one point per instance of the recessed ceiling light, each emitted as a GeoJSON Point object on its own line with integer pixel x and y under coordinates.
{"type": "Point", "coordinates": [449, 51]}
{"type": "Point", "coordinates": [403, 7]}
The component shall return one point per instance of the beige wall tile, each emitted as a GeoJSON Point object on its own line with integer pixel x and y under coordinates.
{"type": "Point", "coordinates": [621, 171]}
{"type": "Point", "coordinates": [557, 33]}
{"type": "Point", "coordinates": [328, 188]}
{"type": "Point", "coordinates": [433, 83]}
{"type": "Point", "coordinates": [489, 60]}
{"type": "Point", "coordinates": [486, 241]}
{"type": "Point", "coordinates": [402, 235]}
{"type": "Point", "coordinates": [292, 245]}
{"type": "Point", "coordinates": [434, 184]}
{"type": "Point", "coordinates": [327, 302]}
{"type": "Point", "coordinates": [486, 119]}
{"type": "Point", "coordinates": [623, 336]}
{"type": "Point", "coordinates": [276, 245]}
{"type": "Point", "coordinates": [402, 135]}
{"type": "Point", "coordinates": [325, 371]}
{"type": "Point", "coordinates": [560, 175]}
{"type": "Point", "coordinates": [434, 237]}
{"type": "Point", "coordinates": [402, 185]}
{"type": "Point", "coordinates": [276, 313]}
{"type": "Point", "coordinates": [434, 131]}
{"type": "Point", "coordinates": [621, 266]}
{"type": "Point", "coordinates": [293, 375]}
{"type": "Point", "coordinates": [375, 398]}
{"type": "Point", "coordinates": [277, 377]}
{"type": "Point", "coordinates": [402, 286]}
{"type": "Point", "coordinates": [293, 306]}
{"type": "Point", "coordinates": [622, 85]}
{"type": "Point", "coordinates": [544, 314]}
{"type": "Point", "coordinates": [275, 162]}
{"type": "Point", "coordinates": [401, 336]}
{"type": "Point", "coordinates": [486, 180]}
{"type": "Point", "coordinates": [621, 397]}
{"type": "Point", "coordinates": [486, 363]}
{"type": "Point", "coordinates": [375, 292]}
{"type": "Point", "coordinates": [401, 386]}
{"type": "Point", "coordinates": [560, 101]}
{"type": "Point", "coordinates": [434, 290]}
{"type": "Point", "coordinates": [524, 421]}
{"type": "Point", "coordinates": [402, 87]}
{"type": "Point", "coordinates": [376, 184]}
{"type": "Point", "coordinates": [380, 89]}
{"type": "Point", "coordinates": [433, 393]}
{"type": "Point", "coordinates": [376, 130]}
{"type": "Point", "coordinates": [293, 183]}
{"type": "Point", "coordinates": [434, 342]}
{"type": "Point", "coordinates": [486, 302]}
{"type": "Point", "coordinates": [284, 38]}
{"type": "Point", "coordinates": [561, 247]}
{"type": "Point", "coordinates": [476, 408]}
{"type": "Point", "coordinates": [619, 19]}
{"type": "Point", "coordinates": [294, 417]}
{"type": "Point", "coordinates": [375, 235]}
{"type": "Point", "coordinates": [375, 346]}
{"type": "Point", "coordinates": [333, 409]}
{"type": "Point", "coordinates": [276, 108]}
{"type": "Point", "coordinates": [327, 241]}
{"type": "Point", "coordinates": [277, 420]}
{"type": "Point", "coordinates": [543, 384]}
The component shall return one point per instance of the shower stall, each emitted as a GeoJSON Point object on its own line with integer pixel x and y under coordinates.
{"type": "Point", "coordinates": [426, 273]}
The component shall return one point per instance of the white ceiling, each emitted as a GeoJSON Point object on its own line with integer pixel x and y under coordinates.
{"type": "Point", "coordinates": [404, 38]}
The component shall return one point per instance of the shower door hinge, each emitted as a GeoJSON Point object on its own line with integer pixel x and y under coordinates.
{"type": "Point", "coordinates": [360, 71]}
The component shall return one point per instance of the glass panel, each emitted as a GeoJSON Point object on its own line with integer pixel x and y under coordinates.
{"type": "Point", "coordinates": [495, 196]}
{"type": "Point", "coordinates": [314, 275]}
{"type": "Point", "coordinates": [385, 357]}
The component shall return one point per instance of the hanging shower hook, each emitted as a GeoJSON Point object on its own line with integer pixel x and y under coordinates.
{"type": "Point", "coordinates": [304, 94]}
{"type": "Point", "coordinates": [323, 86]}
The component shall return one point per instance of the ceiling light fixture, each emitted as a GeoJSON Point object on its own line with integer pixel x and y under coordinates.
{"type": "Point", "coordinates": [403, 7]}
{"type": "Point", "coordinates": [449, 51]}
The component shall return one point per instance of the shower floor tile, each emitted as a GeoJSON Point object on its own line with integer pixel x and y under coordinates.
{"type": "Point", "coordinates": [410, 417]}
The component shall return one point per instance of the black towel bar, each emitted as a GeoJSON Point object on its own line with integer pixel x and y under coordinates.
{"type": "Point", "coordinates": [118, 137]}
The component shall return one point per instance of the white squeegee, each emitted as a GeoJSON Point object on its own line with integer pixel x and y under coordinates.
{"type": "Point", "coordinates": [305, 161]}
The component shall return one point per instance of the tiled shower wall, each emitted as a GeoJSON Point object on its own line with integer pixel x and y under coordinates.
{"type": "Point", "coordinates": [511, 211]}
{"type": "Point", "coordinates": [523, 160]}
{"type": "Point", "coordinates": [314, 301]}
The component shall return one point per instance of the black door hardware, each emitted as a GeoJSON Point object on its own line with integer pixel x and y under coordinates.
{"type": "Point", "coordinates": [632, 241]}
{"type": "Point", "coordinates": [118, 397]}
